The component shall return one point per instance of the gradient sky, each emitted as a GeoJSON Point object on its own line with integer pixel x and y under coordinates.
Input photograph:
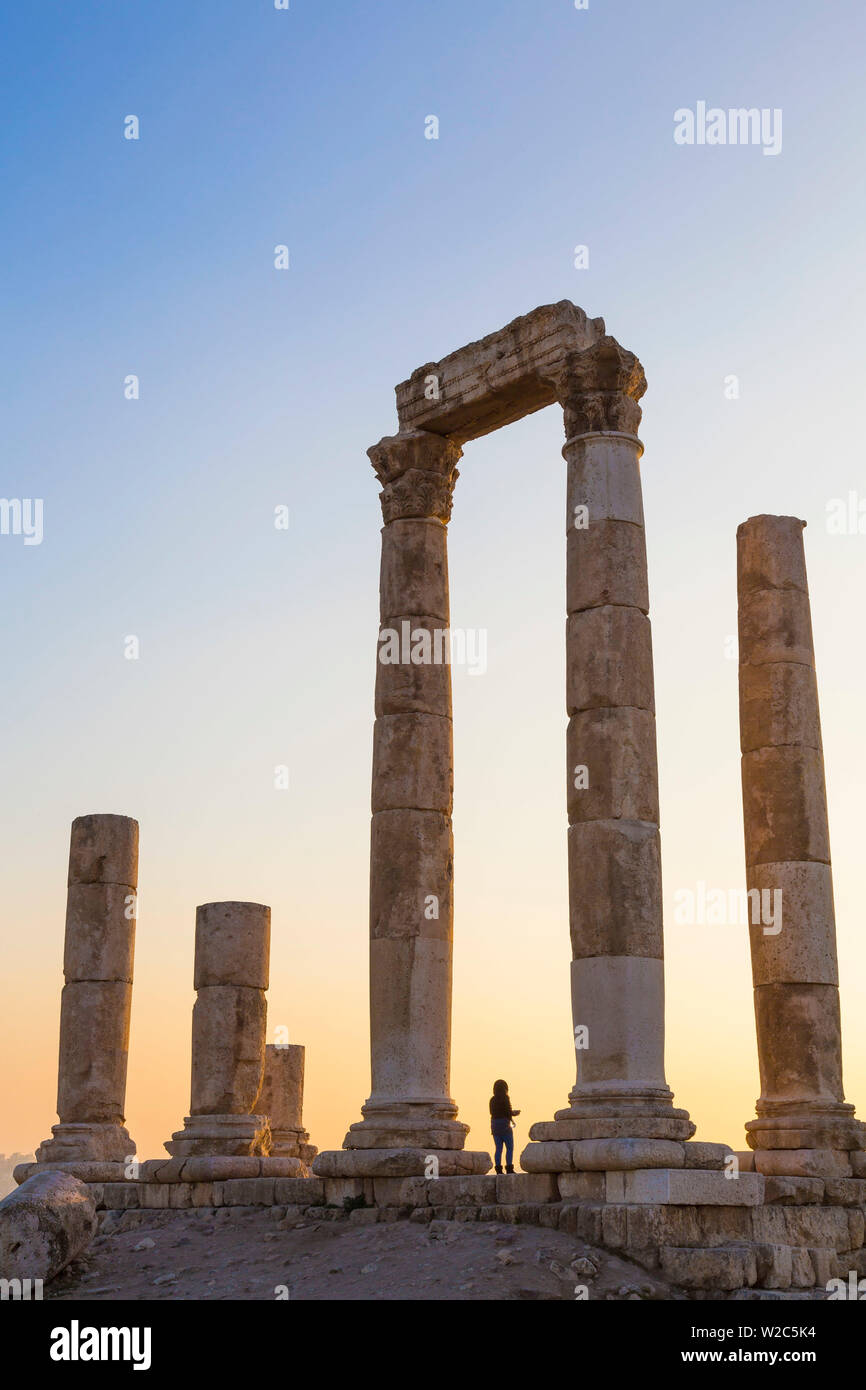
{"type": "Point", "coordinates": [261, 387]}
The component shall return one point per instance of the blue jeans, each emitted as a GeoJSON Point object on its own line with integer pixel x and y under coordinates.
{"type": "Point", "coordinates": [503, 1134]}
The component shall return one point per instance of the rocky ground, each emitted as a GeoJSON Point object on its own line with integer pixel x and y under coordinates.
{"type": "Point", "coordinates": [231, 1254]}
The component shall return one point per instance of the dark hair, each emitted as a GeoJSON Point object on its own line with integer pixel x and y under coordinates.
{"type": "Point", "coordinates": [500, 1088]}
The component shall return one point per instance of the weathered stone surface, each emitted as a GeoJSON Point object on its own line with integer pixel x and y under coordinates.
{"type": "Point", "coordinates": [232, 945]}
{"type": "Point", "coordinates": [791, 1191]}
{"type": "Point", "coordinates": [615, 746]}
{"type": "Point", "coordinates": [94, 1043]}
{"type": "Point", "coordinates": [778, 706]}
{"type": "Point", "coordinates": [784, 806]}
{"type": "Point", "coordinates": [775, 1266]}
{"type": "Point", "coordinates": [228, 1135]}
{"type": "Point", "coordinates": [104, 849]}
{"type": "Point", "coordinates": [414, 855]}
{"type": "Point", "coordinates": [581, 1187]}
{"type": "Point", "coordinates": [46, 1222]}
{"type": "Point", "coordinates": [726, 1267]}
{"type": "Point", "coordinates": [618, 1010]}
{"type": "Point", "coordinates": [775, 626]}
{"type": "Point", "coordinates": [412, 763]}
{"type": "Point", "coordinates": [604, 477]}
{"type": "Point", "coordinates": [281, 1099]}
{"type": "Point", "coordinates": [100, 932]}
{"type": "Point", "coordinates": [601, 1155]}
{"type": "Point", "coordinates": [799, 945]}
{"type": "Point", "coordinates": [414, 571]}
{"type": "Point", "coordinates": [667, 1124]}
{"type": "Point", "coordinates": [228, 1025]}
{"type": "Point", "coordinates": [698, 1154]}
{"type": "Point", "coordinates": [526, 1187]}
{"type": "Point", "coordinates": [606, 564]}
{"type": "Point", "coordinates": [614, 870]}
{"type": "Point", "coordinates": [770, 554]}
{"type": "Point", "coordinates": [799, 1055]}
{"type": "Point", "coordinates": [306, 1191]}
{"type": "Point", "coordinates": [805, 1163]}
{"type": "Point", "coordinates": [610, 659]}
{"type": "Point", "coordinates": [684, 1187]}
{"type": "Point", "coordinates": [461, 1191]}
{"type": "Point", "coordinates": [846, 1192]}
{"type": "Point", "coordinates": [413, 667]}
{"type": "Point", "coordinates": [498, 379]}
{"type": "Point", "coordinates": [398, 1163]}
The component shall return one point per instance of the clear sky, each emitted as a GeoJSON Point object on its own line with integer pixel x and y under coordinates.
{"type": "Point", "coordinates": [259, 387]}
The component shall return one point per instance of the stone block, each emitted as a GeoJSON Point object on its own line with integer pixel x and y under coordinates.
{"type": "Point", "coordinates": [399, 1192]}
{"type": "Point", "coordinates": [44, 1224]}
{"type": "Point", "coordinates": [94, 1041]}
{"type": "Point", "coordinates": [784, 806]}
{"type": "Point", "coordinates": [606, 564]}
{"type": "Point", "coordinates": [799, 945]}
{"type": "Point", "coordinates": [413, 667]}
{"type": "Point", "coordinates": [609, 660]}
{"type": "Point", "coordinates": [725, 1267]}
{"type": "Point", "coordinates": [120, 1196]}
{"type": "Point", "coordinates": [775, 626]}
{"type": "Point", "coordinates": [770, 554]}
{"type": "Point", "coordinates": [604, 477]}
{"type": "Point", "coordinates": [794, 1191]}
{"type": "Point", "coordinates": [618, 749]}
{"type": "Point", "coordinates": [803, 1163]}
{"type": "Point", "coordinates": [228, 1025]}
{"type": "Point", "coordinates": [778, 706]}
{"type": "Point", "coordinates": [232, 945]}
{"type": "Point", "coordinates": [701, 1155]}
{"type": "Point", "coordinates": [846, 1192]}
{"type": "Point", "coordinates": [825, 1265]}
{"type": "Point", "coordinates": [337, 1191]}
{"type": "Point", "coordinates": [180, 1194]}
{"type": "Point", "coordinates": [614, 874]}
{"type": "Point", "coordinates": [414, 572]}
{"type": "Point", "coordinates": [155, 1196]}
{"type": "Point", "coordinates": [680, 1186]}
{"type": "Point", "coordinates": [303, 1191]}
{"type": "Point", "coordinates": [104, 849]}
{"type": "Point", "coordinates": [624, 1155]}
{"type": "Point", "coordinates": [526, 1187]}
{"type": "Point", "coordinates": [413, 852]}
{"type": "Point", "coordinates": [461, 1191]}
{"type": "Point", "coordinates": [412, 763]}
{"type": "Point", "coordinates": [674, 1125]}
{"type": "Point", "coordinates": [100, 934]}
{"type": "Point", "coordinates": [202, 1194]}
{"type": "Point", "coordinates": [775, 1266]}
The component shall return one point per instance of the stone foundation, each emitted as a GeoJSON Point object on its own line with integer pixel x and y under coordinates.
{"type": "Point", "coordinates": [709, 1234]}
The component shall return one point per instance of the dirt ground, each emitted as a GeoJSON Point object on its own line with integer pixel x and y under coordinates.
{"type": "Point", "coordinates": [233, 1254]}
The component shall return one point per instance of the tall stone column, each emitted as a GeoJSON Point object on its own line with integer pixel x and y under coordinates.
{"type": "Point", "coordinates": [281, 1100]}
{"type": "Point", "coordinates": [410, 1115]}
{"type": "Point", "coordinates": [91, 1139]}
{"type": "Point", "coordinates": [803, 1124]}
{"type": "Point", "coordinates": [229, 1022]}
{"type": "Point", "coordinates": [620, 1096]}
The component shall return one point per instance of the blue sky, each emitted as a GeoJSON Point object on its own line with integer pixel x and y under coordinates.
{"type": "Point", "coordinates": [259, 387]}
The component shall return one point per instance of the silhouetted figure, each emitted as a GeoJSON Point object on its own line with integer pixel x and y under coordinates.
{"type": "Point", "coordinates": [501, 1117]}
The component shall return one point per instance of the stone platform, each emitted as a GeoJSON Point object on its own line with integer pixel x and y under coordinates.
{"type": "Point", "coordinates": [771, 1234]}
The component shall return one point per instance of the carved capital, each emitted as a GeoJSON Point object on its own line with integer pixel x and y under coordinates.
{"type": "Point", "coordinates": [599, 389]}
{"type": "Point", "coordinates": [418, 471]}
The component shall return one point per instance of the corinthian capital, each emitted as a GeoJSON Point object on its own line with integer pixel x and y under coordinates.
{"type": "Point", "coordinates": [599, 389]}
{"type": "Point", "coordinates": [418, 471]}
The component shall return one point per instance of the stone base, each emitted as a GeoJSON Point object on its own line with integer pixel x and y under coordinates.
{"type": "Point", "coordinates": [86, 1143]}
{"type": "Point", "coordinates": [400, 1163]}
{"type": "Point", "coordinates": [292, 1143]}
{"type": "Point", "coordinates": [89, 1171]}
{"type": "Point", "coordinates": [804, 1163]}
{"type": "Point", "coordinates": [221, 1136]}
{"type": "Point", "coordinates": [603, 1155]}
{"type": "Point", "coordinates": [670, 1124]}
{"type": "Point", "coordinates": [784, 1126]}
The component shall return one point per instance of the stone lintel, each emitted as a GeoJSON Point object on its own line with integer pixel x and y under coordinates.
{"type": "Point", "coordinates": [498, 379]}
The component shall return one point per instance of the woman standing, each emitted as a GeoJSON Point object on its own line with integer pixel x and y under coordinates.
{"type": "Point", "coordinates": [501, 1117]}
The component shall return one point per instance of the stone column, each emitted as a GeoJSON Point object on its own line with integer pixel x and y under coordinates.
{"type": "Point", "coordinates": [410, 1114]}
{"type": "Point", "coordinates": [229, 1021]}
{"type": "Point", "coordinates": [804, 1125]}
{"type": "Point", "coordinates": [91, 1140]}
{"type": "Point", "coordinates": [282, 1101]}
{"type": "Point", "coordinates": [620, 1096]}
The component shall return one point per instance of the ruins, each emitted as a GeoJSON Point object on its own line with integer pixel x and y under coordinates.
{"type": "Point", "coordinates": [618, 1166]}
